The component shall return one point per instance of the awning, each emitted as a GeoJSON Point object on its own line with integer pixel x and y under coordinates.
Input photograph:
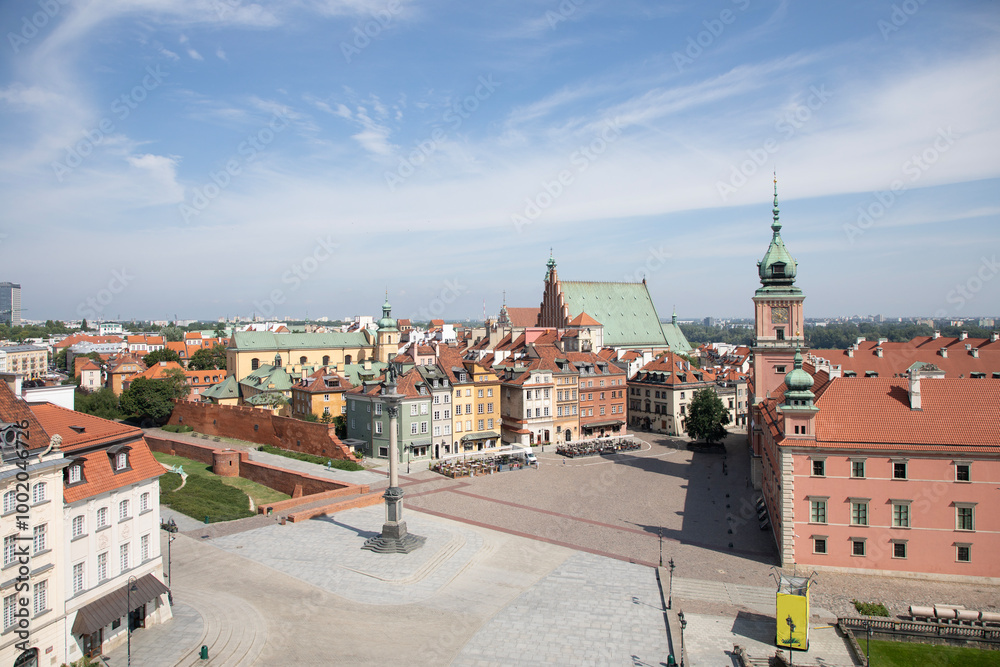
{"type": "Point", "coordinates": [482, 435]}
{"type": "Point", "coordinates": [613, 422]}
{"type": "Point", "coordinates": [114, 605]}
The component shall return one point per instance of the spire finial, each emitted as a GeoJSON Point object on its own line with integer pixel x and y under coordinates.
{"type": "Point", "coordinates": [776, 226]}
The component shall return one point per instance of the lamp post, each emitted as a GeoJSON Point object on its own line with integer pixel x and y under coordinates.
{"type": "Point", "coordinates": [868, 643]}
{"type": "Point", "coordinates": [791, 640]}
{"type": "Point", "coordinates": [680, 617]}
{"type": "Point", "coordinates": [659, 533]}
{"type": "Point", "coordinates": [128, 615]}
{"type": "Point", "coordinates": [171, 528]}
{"type": "Point", "coordinates": [670, 590]}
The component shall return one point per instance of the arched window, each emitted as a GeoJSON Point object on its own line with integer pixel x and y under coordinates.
{"type": "Point", "coordinates": [254, 364]}
{"type": "Point", "coordinates": [326, 359]}
{"type": "Point", "coordinates": [302, 361]}
{"type": "Point", "coordinates": [347, 359]}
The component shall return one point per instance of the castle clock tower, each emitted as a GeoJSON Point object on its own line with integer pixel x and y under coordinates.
{"type": "Point", "coordinates": [777, 314]}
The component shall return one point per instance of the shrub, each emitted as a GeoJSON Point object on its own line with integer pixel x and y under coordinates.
{"type": "Point", "coordinates": [177, 428]}
{"type": "Point", "coordinates": [870, 608]}
{"type": "Point", "coordinates": [311, 458]}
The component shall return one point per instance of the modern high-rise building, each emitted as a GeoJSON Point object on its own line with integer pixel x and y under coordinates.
{"type": "Point", "coordinates": [10, 304]}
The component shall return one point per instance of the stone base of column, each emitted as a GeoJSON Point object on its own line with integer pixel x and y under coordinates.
{"type": "Point", "coordinates": [394, 540]}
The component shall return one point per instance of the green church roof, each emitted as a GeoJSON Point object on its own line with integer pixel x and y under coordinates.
{"type": "Point", "coordinates": [625, 309]}
{"type": "Point", "coordinates": [778, 268]}
{"type": "Point", "coordinates": [228, 388]}
{"type": "Point", "coordinates": [262, 340]}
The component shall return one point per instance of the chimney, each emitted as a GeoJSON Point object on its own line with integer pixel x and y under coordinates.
{"type": "Point", "coordinates": [975, 352]}
{"type": "Point", "coordinates": [850, 351]}
{"type": "Point", "coordinates": [964, 335]}
{"type": "Point", "coordinates": [944, 352]}
{"type": "Point", "coordinates": [994, 336]}
{"type": "Point", "coordinates": [937, 334]}
{"type": "Point", "coordinates": [968, 346]}
{"type": "Point", "coordinates": [915, 391]}
{"type": "Point", "coordinates": [878, 351]}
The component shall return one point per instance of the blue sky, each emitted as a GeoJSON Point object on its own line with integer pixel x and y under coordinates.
{"type": "Point", "coordinates": [214, 157]}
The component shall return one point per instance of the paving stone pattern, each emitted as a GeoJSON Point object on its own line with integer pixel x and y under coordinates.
{"type": "Point", "coordinates": [164, 644]}
{"type": "Point", "coordinates": [590, 610]}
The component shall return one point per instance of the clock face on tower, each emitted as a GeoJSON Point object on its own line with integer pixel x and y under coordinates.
{"type": "Point", "coordinates": [779, 315]}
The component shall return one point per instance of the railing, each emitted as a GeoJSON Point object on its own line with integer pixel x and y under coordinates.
{"type": "Point", "coordinates": [918, 628]}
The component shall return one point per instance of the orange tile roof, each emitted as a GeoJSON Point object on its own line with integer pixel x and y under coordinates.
{"type": "Point", "coordinates": [72, 340]}
{"type": "Point", "coordinates": [87, 437]}
{"type": "Point", "coordinates": [523, 317]}
{"type": "Point", "coordinates": [898, 357]}
{"type": "Point", "coordinates": [584, 320]}
{"type": "Point", "coordinates": [13, 409]}
{"type": "Point", "coordinates": [677, 366]}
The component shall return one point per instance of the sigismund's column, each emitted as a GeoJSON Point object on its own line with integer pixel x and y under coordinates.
{"type": "Point", "coordinates": [394, 538]}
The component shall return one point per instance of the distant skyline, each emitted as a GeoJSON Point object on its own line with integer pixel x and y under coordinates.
{"type": "Point", "coordinates": [221, 157]}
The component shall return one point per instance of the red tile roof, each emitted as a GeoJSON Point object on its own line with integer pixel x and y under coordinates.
{"type": "Point", "coordinates": [13, 409]}
{"type": "Point", "coordinates": [584, 320]}
{"type": "Point", "coordinates": [87, 437]}
{"type": "Point", "coordinates": [898, 357]}
{"type": "Point", "coordinates": [523, 317]}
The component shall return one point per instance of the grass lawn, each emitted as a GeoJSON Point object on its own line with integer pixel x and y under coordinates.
{"type": "Point", "coordinates": [906, 654]}
{"type": "Point", "coordinates": [259, 492]}
{"type": "Point", "coordinates": [321, 460]}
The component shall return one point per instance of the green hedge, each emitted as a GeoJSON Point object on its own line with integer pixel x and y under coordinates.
{"type": "Point", "coordinates": [870, 608]}
{"type": "Point", "coordinates": [177, 428]}
{"type": "Point", "coordinates": [340, 464]}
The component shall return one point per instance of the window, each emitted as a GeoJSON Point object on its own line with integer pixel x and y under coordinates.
{"type": "Point", "coordinates": [468, 424]}
{"type": "Point", "coordinates": [479, 424]}
{"type": "Point", "coordinates": [963, 555]}
{"type": "Point", "coordinates": [9, 549]}
{"type": "Point", "coordinates": [38, 493]}
{"type": "Point", "coordinates": [489, 392]}
{"type": "Point", "coordinates": [9, 605]}
{"type": "Point", "coordinates": [38, 538]}
{"type": "Point", "coordinates": [123, 556]}
{"type": "Point", "coordinates": [963, 473]}
{"type": "Point", "coordinates": [480, 408]}
{"type": "Point", "coordinates": [414, 408]}
{"type": "Point", "coordinates": [413, 428]}
{"type": "Point", "coordinates": [254, 364]}
{"type": "Point", "coordinates": [9, 501]}
{"type": "Point", "coordinates": [817, 511]}
{"type": "Point", "coordinates": [468, 392]}
{"type": "Point", "coordinates": [901, 515]}
{"type": "Point", "coordinates": [781, 335]}
{"type": "Point", "coordinates": [437, 430]}
{"type": "Point", "coordinates": [102, 566]}
{"type": "Point", "coordinates": [489, 424]}
{"type": "Point", "coordinates": [480, 393]}
{"type": "Point", "coordinates": [383, 452]}
{"type": "Point", "coordinates": [102, 517]}
{"type": "Point", "coordinates": [545, 411]}
{"type": "Point", "coordinates": [819, 545]}
{"type": "Point", "coordinates": [123, 510]}
{"type": "Point", "coordinates": [77, 526]}
{"type": "Point", "coordinates": [859, 513]}
{"type": "Point", "coordinates": [899, 470]}
{"type": "Point", "coordinates": [899, 549]}
{"type": "Point", "coordinates": [778, 369]}
{"type": "Point", "coordinates": [423, 408]}
{"type": "Point", "coordinates": [75, 474]}
{"type": "Point", "coordinates": [965, 516]}
{"type": "Point", "coordinates": [121, 461]}
{"type": "Point", "coordinates": [378, 427]}
{"type": "Point", "coordinates": [77, 578]}
{"type": "Point", "coordinates": [423, 427]}
{"type": "Point", "coordinates": [447, 414]}
{"type": "Point", "coordinates": [818, 465]}
{"type": "Point", "coordinates": [144, 547]}
{"type": "Point", "coordinates": [857, 469]}
{"type": "Point", "coordinates": [40, 597]}
{"type": "Point", "coordinates": [144, 502]}
{"type": "Point", "coordinates": [857, 547]}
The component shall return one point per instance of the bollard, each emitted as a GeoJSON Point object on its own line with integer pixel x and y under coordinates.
{"type": "Point", "coordinates": [206, 519]}
{"type": "Point", "coordinates": [204, 652]}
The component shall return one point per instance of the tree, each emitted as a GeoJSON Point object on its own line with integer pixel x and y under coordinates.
{"type": "Point", "coordinates": [60, 359]}
{"type": "Point", "coordinates": [156, 356]}
{"type": "Point", "coordinates": [340, 426]}
{"type": "Point", "coordinates": [101, 403]}
{"type": "Point", "coordinates": [220, 330]}
{"type": "Point", "coordinates": [175, 377]}
{"type": "Point", "coordinates": [147, 399]}
{"type": "Point", "coordinates": [207, 359]}
{"type": "Point", "coordinates": [707, 417]}
{"type": "Point", "coordinates": [83, 325]}
{"type": "Point", "coordinates": [172, 333]}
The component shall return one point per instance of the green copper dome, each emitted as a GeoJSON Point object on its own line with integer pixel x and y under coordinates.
{"type": "Point", "coordinates": [797, 380]}
{"type": "Point", "coordinates": [778, 268]}
{"type": "Point", "coordinates": [386, 322]}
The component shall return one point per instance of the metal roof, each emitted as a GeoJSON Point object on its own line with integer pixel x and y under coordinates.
{"type": "Point", "coordinates": [625, 309]}
{"type": "Point", "coordinates": [115, 605]}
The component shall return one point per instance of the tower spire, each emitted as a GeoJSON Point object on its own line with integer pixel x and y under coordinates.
{"type": "Point", "coordinates": [776, 226]}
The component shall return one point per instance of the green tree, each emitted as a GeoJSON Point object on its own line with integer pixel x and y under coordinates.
{"type": "Point", "coordinates": [207, 359]}
{"type": "Point", "coordinates": [175, 377]}
{"type": "Point", "coordinates": [156, 356]}
{"type": "Point", "coordinates": [147, 399]}
{"type": "Point", "coordinates": [310, 417]}
{"type": "Point", "coordinates": [220, 330]}
{"type": "Point", "coordinates": [83, 325]}
{"type": "Point", "coordinates": [707, 417]}
{"type": "Point", "coordinates": [60, 359]}
{"type": "Point", "coordinates": [101, 403]}
{"type": "Point", "coordinates": [340, 424]}
{"type": "Point", "coordinates": [172, 333]}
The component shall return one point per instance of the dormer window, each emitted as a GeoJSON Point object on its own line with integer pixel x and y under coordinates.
{"type": "Point", "coordinates": [119, 458]}
{"type": "Point", "coordinates": [74, 474]}
{"type": "Point", "coordinates": [779, 269]}
{"type": "Point", "coordinates": [121, 461]}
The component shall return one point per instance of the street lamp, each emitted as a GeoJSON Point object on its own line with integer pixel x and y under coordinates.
{"type": "Point", "coordinates": [791, 640]}
{"type": "Point", "coordinates": [128, 614]}
{"type": "Point", "coordinates": [659, 532]}
{"type": "Point", "coordinates": [670, 591]}
{"type": "Point", "coordinates": [680, 617]}
{"type": "Point", "coordinates": [868, 643]}
{"type": "Point", "coordinates": [171, 528]}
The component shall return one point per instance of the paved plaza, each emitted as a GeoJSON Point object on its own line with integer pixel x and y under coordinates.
{"type": "Point", "coordinates": [555, 565]}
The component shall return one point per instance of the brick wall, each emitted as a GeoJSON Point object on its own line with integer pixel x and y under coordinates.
{"type": "Point", "coordinates": [286, 481]}
{"type": "Point", "coordinates": [262, 427]}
